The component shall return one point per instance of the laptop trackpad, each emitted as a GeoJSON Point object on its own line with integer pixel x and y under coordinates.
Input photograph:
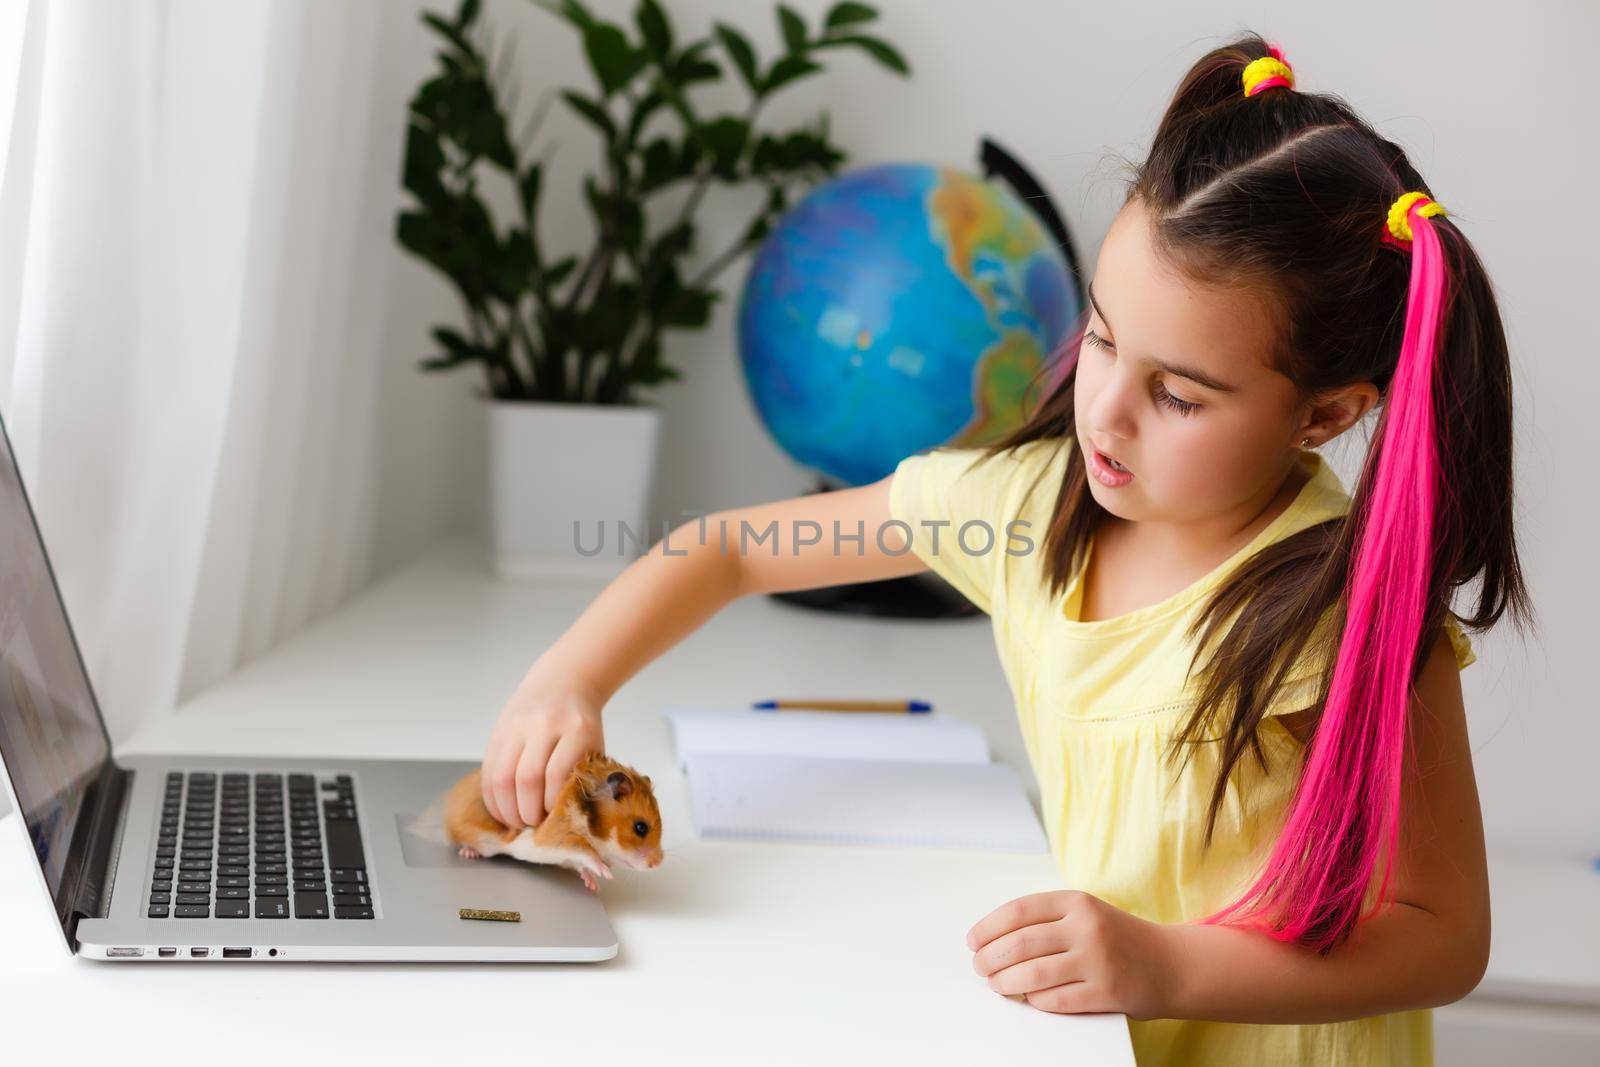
{"type": "Point", "coordinates": [423, 844]}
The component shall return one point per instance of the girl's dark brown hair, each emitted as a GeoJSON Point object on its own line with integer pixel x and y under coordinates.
{"type": "Point", "coordinates": [1285, 193]}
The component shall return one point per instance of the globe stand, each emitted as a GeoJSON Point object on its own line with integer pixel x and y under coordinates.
{"type": "Point", "coordinates": [913, 596]}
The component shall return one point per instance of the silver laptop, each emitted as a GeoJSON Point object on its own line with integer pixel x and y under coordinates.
{"type": "Point", "coordinates": [153, 857]}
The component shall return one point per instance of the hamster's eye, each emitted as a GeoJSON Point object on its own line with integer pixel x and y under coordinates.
{"type": "Point", "coordinates": [641, 828]}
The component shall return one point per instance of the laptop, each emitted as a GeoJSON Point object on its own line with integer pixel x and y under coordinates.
{"type": "Point", "coordinates": [241, 858]}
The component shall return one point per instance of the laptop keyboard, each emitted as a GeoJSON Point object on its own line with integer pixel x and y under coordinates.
{"type": "Point", "coordinates": [241, 853]}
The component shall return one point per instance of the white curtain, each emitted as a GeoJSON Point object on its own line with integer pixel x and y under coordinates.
{"type": "Point", "coordinates": [189, 324]}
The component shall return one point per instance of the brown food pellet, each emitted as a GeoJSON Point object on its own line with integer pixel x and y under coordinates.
{"type": "Point", "coordinates": [491, 914]}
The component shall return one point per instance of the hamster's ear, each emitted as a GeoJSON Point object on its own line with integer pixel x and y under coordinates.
{"type": "Point", "coordinates": [619, 784]}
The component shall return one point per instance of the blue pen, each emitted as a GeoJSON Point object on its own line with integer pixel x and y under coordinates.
{"type": "Point", "coordinates": [843, 705]}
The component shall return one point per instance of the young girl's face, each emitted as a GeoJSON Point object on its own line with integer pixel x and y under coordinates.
{"type": "Point", "coordinates": [1211, 451]}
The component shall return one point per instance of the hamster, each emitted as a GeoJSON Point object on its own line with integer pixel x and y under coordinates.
{"type": "Point", "coordinates": [605, 813]}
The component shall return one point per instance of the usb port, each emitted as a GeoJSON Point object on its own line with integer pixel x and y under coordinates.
{"type": "Point", "coordinates": [199, 953]}
{"type": "Point", "coordinates": [168, 953]}
{"type": "Point", "coordinates": [235, 953]}
{"type": "Point", "coordinates": [130, 950]}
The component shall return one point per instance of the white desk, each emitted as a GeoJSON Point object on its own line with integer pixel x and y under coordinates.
{"type": "Point", "coordinates": [781, 953]}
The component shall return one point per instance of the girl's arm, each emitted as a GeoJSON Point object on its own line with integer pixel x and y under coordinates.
{"type": "Point", "coordinates": [1428, 949]}
{"type": "Point", "coordinates": [686, 578]}
{"type": "Point", "coordinates": [554, 717]}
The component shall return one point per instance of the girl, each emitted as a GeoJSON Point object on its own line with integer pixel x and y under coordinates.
{"type": "Point", "coordinates": [1175, 577]}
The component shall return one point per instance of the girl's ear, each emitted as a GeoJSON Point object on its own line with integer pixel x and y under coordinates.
{"type": "Point", "coordinates": [1335, 411]}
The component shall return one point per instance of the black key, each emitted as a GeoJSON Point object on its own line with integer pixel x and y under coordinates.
{"type": "Point", "coordinates": [271, 891]}
{"type": "Point", "coordinates": [195, 865]}
{"type": "Point", "coordinates": [194, 898]}
{"type": "Point", "coordinates": [351, 900]}
{"type": "Point", "coordinates": [233, 909]}
{"type": "Point", "coordinates": [272, 908]}
{"type": "Point", "coordinates": [233, 893]}
{"type": "Point", "coordinates": [350, 887]}
{"type": "Point", "coordinates": [352, 913]}
{"type": "Point", "coordinates": [310, 886]}
{"type": "Point", "coordinates": [344, 845]}
{"type": "Point", "coordinates": [157, 911]}
{"type": "Point", "coordinates": [236, 870]}
{"type": "Point", "coordinates": [162, 886]}
{"type": "Point", "coordinates": [233, 882]}
{"type": "Point", "coordinates": [194, 887]}
{"type": "Point", "coordinates": [161, 898]}
{"type": "Point", "coordinates": [348, 874]}
{"type": "Point", "coordinates": [191, 911]}
{"type": "Point", "coordinates": [310, 906]}
{"type": "Point", "coordinates": [271, 879]}
{"type": "Point", "coordinates": [263, 867]}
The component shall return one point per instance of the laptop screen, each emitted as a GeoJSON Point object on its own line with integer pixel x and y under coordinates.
{"type": "Point", "coordinates": [51, 735]}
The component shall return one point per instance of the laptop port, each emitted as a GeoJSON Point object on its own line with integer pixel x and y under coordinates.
{"type": "Point", "coordinates": [199, 953]}
{"type": "Point", "coordinates": [130, 950]}
{"type": "Point", "coordinates": [235, 953]}
{"type": "Point", "coordinates": [168, 953]}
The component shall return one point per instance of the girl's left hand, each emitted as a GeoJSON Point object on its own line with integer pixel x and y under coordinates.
{"type": "Point", "coordinates": [1069, 951]}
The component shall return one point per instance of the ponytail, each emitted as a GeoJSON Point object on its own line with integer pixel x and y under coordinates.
{"type": "Point", "coordinates": [1345, 812]}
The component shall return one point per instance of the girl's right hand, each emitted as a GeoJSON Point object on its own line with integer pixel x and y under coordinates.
{"type": "Point", "coordinates": [543, 732]}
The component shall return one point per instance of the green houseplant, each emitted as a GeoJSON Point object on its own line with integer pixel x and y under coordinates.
{"type": "Point", "coordinates": [560, 328]}
{"type": "Point", "coordinates": [566, 341]}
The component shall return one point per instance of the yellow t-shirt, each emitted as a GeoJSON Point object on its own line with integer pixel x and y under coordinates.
{"type": "Point", "coordinates": [1097, 703]}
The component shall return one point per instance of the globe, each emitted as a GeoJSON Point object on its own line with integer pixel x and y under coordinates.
{"type": "Point", "coordinates": [898, 307]}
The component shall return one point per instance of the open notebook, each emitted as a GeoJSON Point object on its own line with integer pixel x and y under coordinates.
{"type": "Point", "coordinates": [853, 778]}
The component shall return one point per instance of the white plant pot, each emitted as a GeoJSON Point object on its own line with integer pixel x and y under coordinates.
{"type": "Point", "coordinates": [554, 465]}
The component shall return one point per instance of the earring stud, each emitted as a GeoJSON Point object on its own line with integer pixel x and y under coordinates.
{"type": "Point", "coordinates": [1305, 442]}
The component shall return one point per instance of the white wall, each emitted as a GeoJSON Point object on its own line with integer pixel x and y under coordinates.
{"type": "Point", "coordinates": [1494, 105]}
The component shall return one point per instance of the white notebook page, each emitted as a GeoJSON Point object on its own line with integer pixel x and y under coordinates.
{"type": "Point", "coordinates": [878, 802]}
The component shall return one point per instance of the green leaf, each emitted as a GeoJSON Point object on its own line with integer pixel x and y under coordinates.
{"type": "Point", "coordinates": [615, 62]}
{"type": "Point", "coordinates": [654, 28]}
{"type": "Point", "coordinates": [453, 342]}
{"type": "Point", "coordinates": [689, 308]}
{"type": "Point", "coordinates": [794, 28]}
{"type": "Point", "coordinates": [698, 70]}
{"type": "Point", "coordinates": [725, 137]}
{"type": "Point", "coordinates": [528, 189]}
{"type": "Point", "coordinates": [739, 50]}
{"type": "Point", "coordinates": [447, 31]}
{"type": "Point", "coordinates": [572, 11]}
{"type": "Point", "coordinates": [423, 162]}
{"type": "Point", "coordinates": [592, 111]}
{"type": "Point", "coordinates": [468, 13]}
{"type": "Point", "coordinates": [652, 102]}
{"type": "Point", "coordinates": [847, 13]}
{"type": "Point", "coordinates": [558, 271]}
{"type": "Point", "coordinates": [882, 51]}
{"type": "Point", "coordinates": [787, 70]}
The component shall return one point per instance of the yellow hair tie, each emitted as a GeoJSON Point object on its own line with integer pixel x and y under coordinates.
{"type": "Point", "coordinates": [1399, 213]}
{"type": "Point", "coordinates": [1268, 71]}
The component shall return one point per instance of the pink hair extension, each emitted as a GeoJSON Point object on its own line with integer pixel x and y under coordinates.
{"type": "Point", "coordinates": [1346, 807]}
